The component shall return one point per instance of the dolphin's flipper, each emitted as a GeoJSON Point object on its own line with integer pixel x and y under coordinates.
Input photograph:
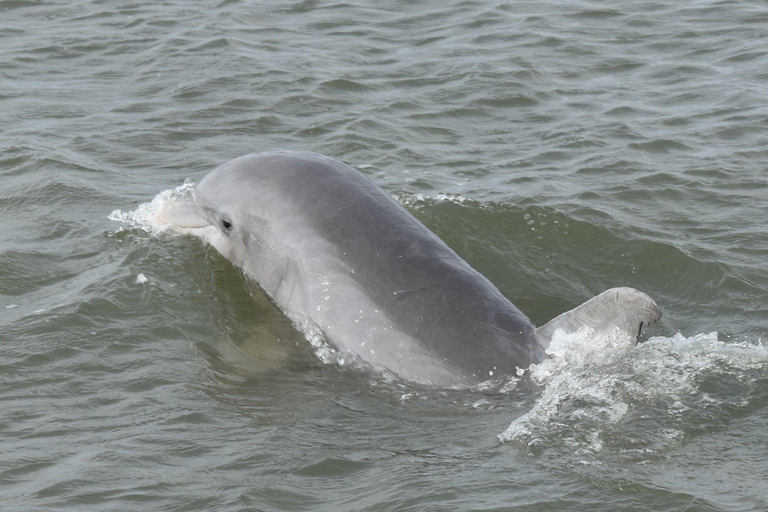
{"type": "Point", "coordinates": [622, 310]}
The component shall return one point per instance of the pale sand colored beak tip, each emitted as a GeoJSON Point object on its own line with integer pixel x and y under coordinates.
{"type": "Point", "coordinates": [182, 214]}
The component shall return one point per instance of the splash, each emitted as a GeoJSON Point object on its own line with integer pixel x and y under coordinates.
{"type": "Point", "coordinates": [417, 201]}
{"type": "Point", "coordinates": [144, 217]}
{"type": "Point", "coordinates": [315, 336]}
{"type": "Point", "coordinates": [638, 402]}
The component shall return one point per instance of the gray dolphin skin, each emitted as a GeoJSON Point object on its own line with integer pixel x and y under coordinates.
{"type": "Point", "coordinates": [340, 256]}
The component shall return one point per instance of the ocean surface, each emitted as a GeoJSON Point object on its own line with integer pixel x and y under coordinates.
{"type": "Point", "coordinates": [561, 148]}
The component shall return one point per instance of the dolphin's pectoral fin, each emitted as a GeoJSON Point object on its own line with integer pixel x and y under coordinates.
{"type": "Point", "coordinates": [622, 309]}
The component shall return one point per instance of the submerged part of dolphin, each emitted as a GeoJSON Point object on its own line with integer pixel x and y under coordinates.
{"type": "Point", "coordinates": [338, 254]}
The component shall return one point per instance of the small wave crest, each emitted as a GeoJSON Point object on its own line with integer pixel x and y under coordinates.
{"type": "Point", "coordinates": [144, 217]}
{"type": "Point", "coordinates": [639, 401]}
{"type": "Point", "coordinates": [417, 201]}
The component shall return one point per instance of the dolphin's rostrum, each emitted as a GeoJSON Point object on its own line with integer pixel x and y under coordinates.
{"type": "Point", "coordinates": [337, 253]}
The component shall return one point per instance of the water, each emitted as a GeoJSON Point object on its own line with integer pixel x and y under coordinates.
{"type": "Point", "coordinates": [561, 148]}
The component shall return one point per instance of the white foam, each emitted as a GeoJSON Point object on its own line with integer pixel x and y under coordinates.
{"type": "Point", "coordinates": [576, 349]}
{"type": "Point", "coordinates": [415, 200]}
{"type": "Point", "coordinates": [591, 386]}
{"type": "Point", "coordinates": [144, 217]}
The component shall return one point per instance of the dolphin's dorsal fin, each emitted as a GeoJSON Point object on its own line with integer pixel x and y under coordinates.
{"type": "Point", "coordinates": [622, 309]}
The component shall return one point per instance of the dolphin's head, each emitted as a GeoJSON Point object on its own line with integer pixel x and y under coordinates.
{"type": "Point", "coordinates": [259, 211]}
{"type": "Point", "coordinates": [218, 210]}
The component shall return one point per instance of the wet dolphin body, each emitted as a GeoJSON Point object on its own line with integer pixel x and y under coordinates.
{"type": "Point", "coordinates": [338, 254]}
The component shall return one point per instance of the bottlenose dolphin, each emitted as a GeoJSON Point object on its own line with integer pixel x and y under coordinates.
{"type": "Point", "coordinates": [339, 255]}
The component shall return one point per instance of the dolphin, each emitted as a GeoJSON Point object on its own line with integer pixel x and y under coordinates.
{"type": "Point", "coordinates": [342, 258]}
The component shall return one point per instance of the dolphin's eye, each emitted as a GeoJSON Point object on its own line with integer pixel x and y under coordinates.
{"type": "Point", "coordinates": [226, 226]}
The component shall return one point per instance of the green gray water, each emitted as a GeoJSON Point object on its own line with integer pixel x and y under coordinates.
{"type": "Point", "coordinates": [561, 148]}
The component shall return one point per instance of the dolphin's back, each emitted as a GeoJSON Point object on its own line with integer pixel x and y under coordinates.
{"type": "Point", "coordinates": [349, 238]}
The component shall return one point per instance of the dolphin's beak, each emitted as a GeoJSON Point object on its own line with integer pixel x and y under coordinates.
{"type": "Point", "coordinates": [182, 214]}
